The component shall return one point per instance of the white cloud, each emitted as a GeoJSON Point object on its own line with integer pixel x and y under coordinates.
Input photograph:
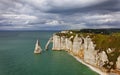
{"type": "Point", "coordinates": [54, 22]}
{"type": "Point", "coordinates": [102, 18]}
{"type": "Point", "coordinates": [18, 18]}
{"type": "Point", "coordinates": [78, 26]}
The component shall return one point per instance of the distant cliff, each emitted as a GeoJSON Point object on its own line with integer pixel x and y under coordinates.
{"type": "Point", "coordinates": [99, 50]}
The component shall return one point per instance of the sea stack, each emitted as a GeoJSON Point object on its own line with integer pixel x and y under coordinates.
{"type": "Point", "coordinates": [37, 47]}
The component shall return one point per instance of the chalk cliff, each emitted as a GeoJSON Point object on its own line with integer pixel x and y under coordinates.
{"type": "Point", "coordinates": [85, 48]}
{"type": "Point", "coordinates": [118, 63]}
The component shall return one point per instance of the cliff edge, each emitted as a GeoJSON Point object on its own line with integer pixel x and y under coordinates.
{"type": "Point", "coordinates": [99, 50]}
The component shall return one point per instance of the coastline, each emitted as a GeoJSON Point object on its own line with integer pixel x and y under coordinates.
{"type": "Point", "coordinates": [90, 66]}
{"type": "Point", "coordinates": [83, 47]}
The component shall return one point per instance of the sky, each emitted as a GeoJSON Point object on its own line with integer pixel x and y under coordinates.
{"type": "Point", "coordinates": [59, 14]}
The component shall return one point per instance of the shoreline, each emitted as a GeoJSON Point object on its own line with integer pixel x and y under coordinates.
{"type": "Point", "coordinates": [90, 66]}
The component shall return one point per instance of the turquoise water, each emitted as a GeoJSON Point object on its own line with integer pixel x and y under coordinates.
{"type": "Point", "coordinates": [17, 57]}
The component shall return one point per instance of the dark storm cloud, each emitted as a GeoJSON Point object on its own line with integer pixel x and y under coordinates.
{"type": "Point", "coordinates": [62, 14]}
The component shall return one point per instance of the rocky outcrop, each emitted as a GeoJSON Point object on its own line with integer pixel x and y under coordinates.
{"type": "Point", "coordinates": [102, 59]}
{"type": "Point", "coordinates": [56, 42]}
{"type": "Point", "coordinates": [69, 44]}
{"type": "Point", "coordinates": [118, 63]}
{"type": "Point", "coordinates": [77, 45]}
{"type": "Point", "coordinates": [49, 41]}
{"type": "Point", "coordinates": [89, 51]}
{"type": "Point", "coordinates": [84, 48]}
{"type": "Point", "coordinates": [63, 43]}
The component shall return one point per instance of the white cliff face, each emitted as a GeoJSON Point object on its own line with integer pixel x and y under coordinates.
{"type": "Point", "coordinates": [60, 43]}
{"type": "Point", "coordinates": [77, 44]}
{"type": "Point", "coordinates": [118, 63]}
{"type": "Point", "coordinates": [84, 48]}
{"type": "Point", "coordinates": [102, 58]}
{"type": "Point", "coordinates": [68, 44]}
{"type": "Point", "coordinates": [63, 42]}
{"type": "Point", "coordinates": [89, 51]}
{"type": "Point", "coordinates": [56, 42]}
{"type": "Point", "coordinates": [76, 47]}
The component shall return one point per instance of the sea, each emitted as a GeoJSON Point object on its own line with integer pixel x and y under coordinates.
{"type": "Point", "coordinates": [17, 56]}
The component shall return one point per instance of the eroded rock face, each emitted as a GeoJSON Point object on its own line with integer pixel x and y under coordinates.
{"type": "Point", "coordinates": [83, 47]}
{"type": "Point", "coordinates": [102, 58]}
{"type": "Point", "coordinates": [56, 42]}
{"type": "Point", "coordinates": [77, 44]}
{"type": "Point", "coordinates": [89, 51]}
{"type": "Point", "coordinates": [63, 43]}
{"type": "Point", "coordinates": [68, 44]}
{"type": "Point", "coordinates": [118, 63]}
